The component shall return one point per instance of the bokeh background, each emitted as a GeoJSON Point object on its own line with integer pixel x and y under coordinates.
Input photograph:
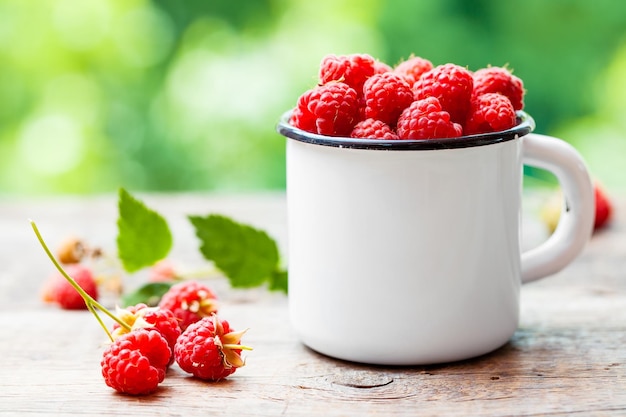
{"type": "Point", "coordinates": [184, 95]}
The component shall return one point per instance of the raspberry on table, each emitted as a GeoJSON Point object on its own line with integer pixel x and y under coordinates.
{"type": "Point", "coordinates": [386, 95]}
{"type": "Point", "coordinates": [452, 85]}
{"type": "Point", "coordinates": [141, 316]}
{"type": "Point", "coordinates": [209, 349]}
{"type": "Point", "coordinates": [603, 206]}
{"type": "Point", "coordinates": [62, 292]}
{"type": "Point", "coordinates": [190, 301]}
{"type": "Point", "coordinates": [71, 251]}
{"type": "Point", "coordinates": [490, 112]}
{"type": "Point", "coordinates": [331, 109]}
{"type": "Point", "coordinates": [351, 69]}
{"type": "Point", "coordinates": [426, 119]}
{"type": "Point", "coordinates": [163, 271]}
{"type": "Point", "coordinates": [373, 129]}
{"type": "Point", "coordinates": [136, 362]}
{"type": "Point", "coordinates": [500, 80]}
{"type": "Point", "coordinates": [413, 68]}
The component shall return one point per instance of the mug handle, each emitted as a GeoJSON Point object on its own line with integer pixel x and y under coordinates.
{"type": "Point", "coordinates": [577, 215]}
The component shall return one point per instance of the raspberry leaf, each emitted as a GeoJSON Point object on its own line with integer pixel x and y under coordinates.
{"type": "Point", "coordinates": [149, 294]}
{"type": "Point", "coordinates": [247, 256]}
{"type": "Point", "coordinates": [143, 236]}
{"type": "Point", "coordinates": [278, 280]}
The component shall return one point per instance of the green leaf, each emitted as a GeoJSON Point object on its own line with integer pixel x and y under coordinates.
{"type": "Point", "coordinates": [143, 235]}
{"type": "Point", "coordinates": [278, 281]}
{"type": "Point", "coordinates": [149, 294]}
{"type": "Point", "coordinates": [247, 256]}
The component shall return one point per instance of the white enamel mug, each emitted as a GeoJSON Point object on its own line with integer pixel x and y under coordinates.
{"type": "Point", "coordinates": [408, 252]}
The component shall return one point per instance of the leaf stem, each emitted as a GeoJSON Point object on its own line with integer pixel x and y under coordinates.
{"type": "Point", "coordinates": [92, 304]}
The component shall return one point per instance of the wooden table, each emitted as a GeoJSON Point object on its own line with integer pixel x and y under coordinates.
{"type": "Point", "coordinates": [567, 358]}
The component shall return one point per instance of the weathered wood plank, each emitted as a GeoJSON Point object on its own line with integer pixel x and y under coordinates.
{"type": "Point", "coordinates": [567, 358]}
{"type": "Point", "coordinates": [51, 365]}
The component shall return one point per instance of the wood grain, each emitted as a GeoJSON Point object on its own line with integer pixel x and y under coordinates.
{"type": "Point", "coordinates": [567, 358]}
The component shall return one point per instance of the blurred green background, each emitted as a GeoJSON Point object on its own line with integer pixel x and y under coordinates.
{"type": "Point", "coordinates": [184, 95]}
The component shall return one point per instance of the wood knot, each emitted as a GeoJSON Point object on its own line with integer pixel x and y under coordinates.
{"type": "Point", "coordinates": [361, 379]}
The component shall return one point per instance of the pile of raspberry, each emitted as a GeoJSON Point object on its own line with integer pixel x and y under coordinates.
{"type": "Point", "coordinates": [184, 329]}
{"type": "Point", "coordinates": [360, 97]}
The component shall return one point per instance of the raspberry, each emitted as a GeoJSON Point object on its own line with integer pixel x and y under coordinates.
{"type": "Point", "coordinates": [71, 251]}
{"type": "Point", "coordinates": [452, 85]}
{"type": "Point", "coordinates": [603, 207]}
{"type": "Point", "coordinates": [373, 129]}
{"type": "Point", "coordinates": [163, 271]}
{"type": "Point", "coordinates": [350, 69]}
{"type": "Point", "coordinates": [425, 119]}
{"type": "Point", "coordinates": [151, 318]}
{"type": "Point", "coordinates": [490, 112]}
{"type": "Point", "coordinates": [413, 68]}
{"type": "Point", "coordinates": [301, 117]}
{"type": "Point", "coordinates": [62, 292]}
{"type": "Point", "coordinates": [47, 291]}
{"type": "Point", "coordinates": [381, 67]}
{"type": "Point", "coordinates": [189, 301]}
{"type": "Point", "coordinates": [209, 349]}
{"type": "Point", "coordinates": [500, 80]}
{"type": "Point", "coordinates": [386, 95]}
{"type": "Point", "coordinates": [136, 362]}
{"type": "Point", "coordinates": [331, 109]}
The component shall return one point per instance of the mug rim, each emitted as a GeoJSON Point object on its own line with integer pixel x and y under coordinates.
{"type": "Point", "coordinates": [525, 125]}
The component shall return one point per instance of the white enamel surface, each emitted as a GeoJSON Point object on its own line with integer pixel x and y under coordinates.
{"type": "Point", "coordinates": [577, 216]}
{"type": "Point", "coordinates": [404, 257]}
{"type": "Point", "coordinates": [413, 257]}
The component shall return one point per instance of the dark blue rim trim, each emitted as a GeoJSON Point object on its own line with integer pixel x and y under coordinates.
{"type": "Point", "coordinates": [525, 125]}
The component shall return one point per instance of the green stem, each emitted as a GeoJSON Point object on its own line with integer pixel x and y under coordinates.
{"type": "Point", "coordinates": [97, 316]}
{"type": "Point", "coordinates": [91, 303]}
